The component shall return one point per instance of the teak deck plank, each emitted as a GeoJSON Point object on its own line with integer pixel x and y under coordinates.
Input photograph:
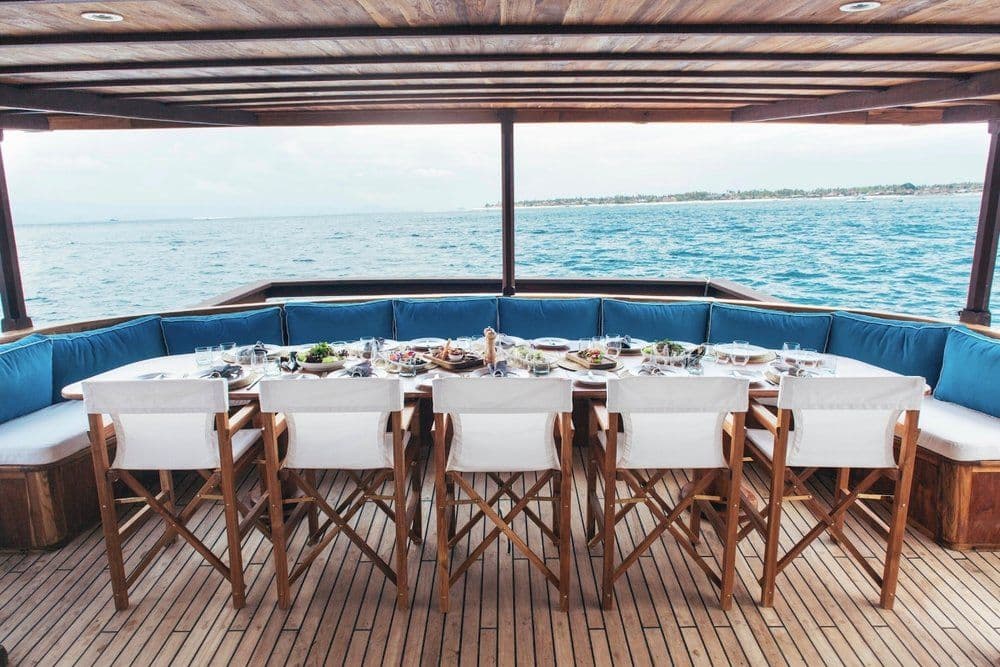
{"type": "Point", "coordinates": [56, 608]}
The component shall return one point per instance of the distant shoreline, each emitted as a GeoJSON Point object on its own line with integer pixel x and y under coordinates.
{"type": "Point", "coordinates": [701, 197]}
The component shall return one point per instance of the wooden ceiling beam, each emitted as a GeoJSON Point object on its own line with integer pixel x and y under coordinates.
{"type": "Point", "coordinates": [433, 75]}
{"type": "Point", "coordinates": [907, 94]}
{"type": "Point", "coordinates": [788, 89]}
{"type": "Point", "coordinates": [77, 102]}
{"type": "Point", "coordinates": [502, 31]}
{"type": "Point", "coordinates": [475, 58]}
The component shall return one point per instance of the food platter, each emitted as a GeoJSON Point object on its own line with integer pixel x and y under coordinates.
{"type": "Point", "coordinates": [592, 360]}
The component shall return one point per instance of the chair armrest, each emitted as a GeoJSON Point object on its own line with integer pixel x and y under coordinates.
{"type": "Point", "coordinates": [764, 417]}
{"type": "Point", "coordinates": [243, 417]}
{"type": "Point", "coordinates": [599, 411]}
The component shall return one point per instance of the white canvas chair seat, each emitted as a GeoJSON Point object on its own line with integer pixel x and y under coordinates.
{"type": "Point", "coordinates": [503, 424]}
{"type": "Point", "coordinates": [335, 423]}
{"type": "Point", "coordinates": [842, 422]}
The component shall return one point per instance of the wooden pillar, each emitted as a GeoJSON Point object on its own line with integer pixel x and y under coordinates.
{"type": "Point", "coordinates": [15, 312]}
{"type": "Point", "coordinates": [984, 258]}
{"type": "Point", "coordinates": [507, 199]}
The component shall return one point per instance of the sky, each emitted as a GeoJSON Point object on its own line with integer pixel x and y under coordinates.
{"type": "Point", "coordinates": [221, 172]}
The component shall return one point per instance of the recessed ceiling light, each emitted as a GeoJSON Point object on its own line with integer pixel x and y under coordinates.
{"type": "Point", "coordinates": [854, 7]}
{"type": "Point", "coordinates": [102, 17]}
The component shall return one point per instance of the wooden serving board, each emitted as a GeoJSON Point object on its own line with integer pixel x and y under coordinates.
{"type": "Point", "coordinates": [470, 361]}
{"type": "Point", "coordinates": [579, 362]}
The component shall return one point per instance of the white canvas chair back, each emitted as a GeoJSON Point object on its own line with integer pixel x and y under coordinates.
{"type": "Point", "coordinates": [335, 423]}
{"type": "Point", "coordinates": [503, 424]}
{"type": "Point", "coordinates": [846, 422]}
{"type": "Point", "coordinates": [164, 424]}
{"type": "Point", "coordinates": [674, 422]}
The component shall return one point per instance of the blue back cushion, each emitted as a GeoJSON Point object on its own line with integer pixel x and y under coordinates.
{"type": "Point", "coordinates": [657, 321]}
{"type": "Point", "coordinates": [534, 318]}
{"type": "Point", "coordinates": [79, 356]}
{"type": "Point", "coordinates": [970, 375]}
{"type": "Point", "coordinates": [183, 334]}
{"type": "Point", "coordinates": [25, 376]}
{"type": "Point", "coordinates": [908, 348]}
{"type": "Point", "coordinates": [767, 328]}
{"type": "Point", "coordinates": [316, 322]}
{"type": "Point", "coordinates": [445, 318]}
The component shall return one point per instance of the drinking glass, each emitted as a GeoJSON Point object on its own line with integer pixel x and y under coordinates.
{"type": "Point", "coordinates": [203, 356]}
{"type": "Point", "coordinates": [614, 348]}
{"type": "Point", "coordinates": [258, 361]}
{"type": "Point", "coordinates": [217, 354]}
{"type": "Point", "coordinates": [464, 343]}
{"type": "Point", "coordinates": [272, 367]}
{"type": "Point", "coordinates": [583, 344]}
{"type": "Point", "coordinates": [540, 367]}
{"type": "Point", "coordinates": [598, 343]}
{"type": "Point", "coordinates": [366, 347]}
{"type": "Point", "coordinates": [741, 352]}
{"type": "Point", "coordinates": [809, 358]}
{"type": "Point", "coordinates": [829, 363]}
{"type": "Point", "coordinates": [787, 347]}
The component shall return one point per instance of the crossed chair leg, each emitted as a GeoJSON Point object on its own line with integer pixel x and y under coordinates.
{"type": "Point", "coordinates": [404, 511]}
{"type": "Point", "coordinates": [240, 518]}
{"type": "Point", "coordinates": [602, 516]}
{"type": "Point", "coordinates": [450, 534]}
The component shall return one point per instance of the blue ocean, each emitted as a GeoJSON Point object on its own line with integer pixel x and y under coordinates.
{"type": "Point", "coordinates": [907, 254]}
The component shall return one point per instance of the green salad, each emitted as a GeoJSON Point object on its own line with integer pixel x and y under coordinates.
{"type": "Point", "coordinates": [322, 353]}
{"type": "Point", "coordinates": [668, 347]}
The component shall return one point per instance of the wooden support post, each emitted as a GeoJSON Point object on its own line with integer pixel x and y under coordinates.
{"type": "Point", "coordinates": [507, 199]}
{"type": "Point", "coordinates": [984, 258]}
{"type": "Point", "coordinates": [15, 312]}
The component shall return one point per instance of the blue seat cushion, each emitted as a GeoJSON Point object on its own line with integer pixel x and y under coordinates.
{"type": "Point", "coordinates": [183, 334]}
{"type": "Point", "coordinates": [78, 356]}
{"type": "Point", "coordinates": [25, 376]}
{"type": "Point", "coordinates": [657, 321]}
{"type": "Point", "coordinates": [319, 322]}
{"type": "Point", "coordinates": [907, 348]}
{"type": "Point", "coordinates": [534, 318]}
{"type": "Point", "coordinates": [767, 328]}
{"type": "Point", "coordinates": [445, 318]}
{"type": "Point", "coordinates": [970, 374]}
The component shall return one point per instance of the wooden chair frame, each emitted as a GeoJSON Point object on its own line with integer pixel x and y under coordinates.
{"type": "Point", "coordinates": [788, 485]}
{"type": "Point", "coordinates": [404, 512]}
{"type": "Point", "coordinates": [164, 504]}
{"type": "Point", "coordinates": [602, 462]}
{"type": "Point", "coordinates": [449, 534]}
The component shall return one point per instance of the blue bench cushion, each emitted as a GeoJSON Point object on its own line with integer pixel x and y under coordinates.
{"type": "Point", "coordinates": [316, 322]}
{"type": "Point", "coordinates": [534, 318]}
{"type": "Point", "coordinates": [183, 334]}
{"type": "Point", "coordinates": [908, 348]}
{"type": "Point", "coordinates": [970, 374]}
{"type": "Point", "coordinates": [446, 318]}
{"type": "Point", "coordinates": [79, 356]}
{"type": "Point", "coordinates": [25, 376]}
{"type": "Point", "coordinates": [767, 328]}
{"type": "Point", "coordinates": [657, 321]}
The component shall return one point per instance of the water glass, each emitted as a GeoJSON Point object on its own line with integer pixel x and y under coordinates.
{"type": "Point", "coordinates": [583, 344]}
{"type": "Point", "coordinates": [614, 347]}
{"type": "Point", "coordinates": [203, 356]}
{"type": "Point", "coordinates": [258, 361]}
{"type": "Point", "coordinates": [741, 352]}
{"type": "Point", "coordinates": [540, 367]}
{"type": "Point", "coordinates": [217, 354]}
{"type": "Point", "coordinates": [272, 367]}
{"type": "Point", "coordinates": [367, 348]}
{"type": "Point", "coordinates": [787, 347]}
{"type": "Point", "coordinates": [809, 358]}
{"type": "Point", "coordinates": [829, 364]}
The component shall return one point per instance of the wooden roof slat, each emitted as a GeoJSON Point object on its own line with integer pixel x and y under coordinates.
{"type": "Point", "coordinates": [340, 33]}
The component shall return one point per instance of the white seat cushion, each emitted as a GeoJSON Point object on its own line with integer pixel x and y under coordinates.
{"type": "Point", "coordinates": [958, 433]}
{"type": "Point", "coordinates": [763, 439]}
{"type": "Point", "coordinates": [45, 436]}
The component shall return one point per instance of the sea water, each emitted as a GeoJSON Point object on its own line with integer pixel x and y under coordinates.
{"type": "Point", "coordinates": [907, 254]}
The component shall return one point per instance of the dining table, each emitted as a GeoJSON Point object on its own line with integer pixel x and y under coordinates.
{"type": "Point", "coordinates": [421, 385]}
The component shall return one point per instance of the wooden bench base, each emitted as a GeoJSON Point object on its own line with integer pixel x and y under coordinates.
{"type": "Point", "coordinates": [45, 506]}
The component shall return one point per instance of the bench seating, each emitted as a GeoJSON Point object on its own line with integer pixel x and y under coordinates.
{"type": "Point", "coordinates": [46, 482]}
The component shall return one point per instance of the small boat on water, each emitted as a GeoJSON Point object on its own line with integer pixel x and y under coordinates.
{"type": "Point", "coordinates": [501, 468]}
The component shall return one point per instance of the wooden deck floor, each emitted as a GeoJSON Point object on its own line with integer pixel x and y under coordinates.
{"type": "Point", "coordinates": [55, 608]}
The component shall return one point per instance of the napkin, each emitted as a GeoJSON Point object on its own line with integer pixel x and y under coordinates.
{"type": "Point", "coordinates": [362, 370]}
{"type": "Point", "coordinates": [650, 369]}
{"type": "Point", "coordinates": [626, 342]}
{"type": "Point", "coordinates": [229, 372]}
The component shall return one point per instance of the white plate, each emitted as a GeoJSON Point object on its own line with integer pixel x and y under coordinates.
{"type": "Point", "coordinates": [296, 376]}
{"type": "Point", "coordinates": [668, 371]}
{"type": "Point", "coordinates": [551, 343]}
{"type": "Point", "coordinates": [232, 357]}
{"type": "Point", "coordinates": [322, 367]}
{"type": "Point", "coordinates": [511, 372]}
{"type": "Point", "coordinates": [729, 348]}
{"type": "Point", "coordinates": [635, 346]}
{"type": "Point", "coordinates": [157, 376]}
{"type": "Point", "coordinates": [592, 378]}
{"type": "Point", "coordinates": [801, 356]}
{"type": "Point", "coordinates": [427, 343]}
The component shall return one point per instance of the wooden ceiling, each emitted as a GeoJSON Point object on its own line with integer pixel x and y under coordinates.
{"type": "Point", "coordinates": [291, 62]}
